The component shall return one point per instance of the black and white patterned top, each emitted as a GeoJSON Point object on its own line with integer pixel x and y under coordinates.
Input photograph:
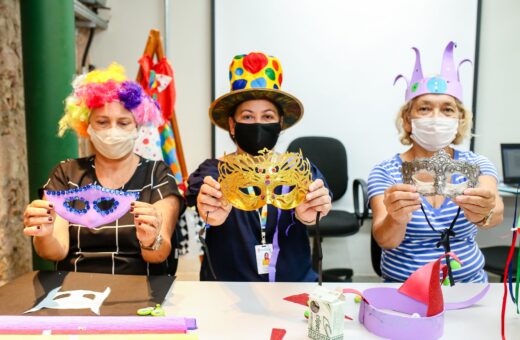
{"type": "Point", "coordinates": [113, 248]}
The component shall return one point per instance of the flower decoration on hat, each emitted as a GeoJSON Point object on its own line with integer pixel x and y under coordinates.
{"type": "Point", "coordinates": [103, 86]}
{"type": "Point", "coordinates": [447, 82]}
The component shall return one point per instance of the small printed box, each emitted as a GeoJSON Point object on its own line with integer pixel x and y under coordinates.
{"type": "Point", "coordinates": [326, 320]}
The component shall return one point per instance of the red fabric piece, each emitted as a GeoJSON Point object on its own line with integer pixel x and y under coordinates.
{"type": "Point", "coordinates": [166, 98]}
{"type": "Point", "coordinates": [300, 299]}
{"type": "Point", "coordinates": [255, 62]}
{"type": "Point", "coordinates": [278, 333]}
{"type": "Point", "coordinates": [506, 275]}
{"type": "Point", "coordinates": [424, 285]}
{"type": "Point", "coordinates": [354, 291]}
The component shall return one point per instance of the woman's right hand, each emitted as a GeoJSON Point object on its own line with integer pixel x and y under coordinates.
{"type": "Point", "coordinates": [211, 203]}
{"type": "Point", "coordinates": [38, 218]}
{"type": "Point", "coordinates": [400, 201]}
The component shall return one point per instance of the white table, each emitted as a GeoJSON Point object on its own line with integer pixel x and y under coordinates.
{"type": "Point", "coordinates": [229, 310]}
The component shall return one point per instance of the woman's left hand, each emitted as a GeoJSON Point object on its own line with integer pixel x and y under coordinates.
{"type": "Point", "coordinates": [317, 199]}
{"type": "Point", "coordinates": [476, 203]}
{"type": "Point", "coordinates": [148, 222]}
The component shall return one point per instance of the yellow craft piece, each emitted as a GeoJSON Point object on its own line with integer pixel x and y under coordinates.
{"type": "Point", "coordinates": [265, 174]}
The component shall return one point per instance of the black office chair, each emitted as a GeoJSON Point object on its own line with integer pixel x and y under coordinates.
{"type": "Point", "coordinates": [496, 258]}
{"type": "Point", "coordinates": [330, 157]}
{"type": "Point", "coordinates": [375, 255]}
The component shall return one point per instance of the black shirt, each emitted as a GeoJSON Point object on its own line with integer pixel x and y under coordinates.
{"type": "Point", "coordinates": [113, 248]}
{"type": "Point", "coordinates": [232, 244]}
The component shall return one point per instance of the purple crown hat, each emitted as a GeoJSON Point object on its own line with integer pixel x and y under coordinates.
{"type": "Point", "coordinates": [447, 82]}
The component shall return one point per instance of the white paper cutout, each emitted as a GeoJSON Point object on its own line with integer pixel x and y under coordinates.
{"type": "Point", "coordinates": [72, 299]}
{"type": "Point", "coordinates": [163, 81]}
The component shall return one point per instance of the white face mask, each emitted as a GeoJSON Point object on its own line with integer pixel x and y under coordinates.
{"type": "Point", "coordinates": [113, 143]}
{"type": "Point", "coordinates": [435, 133]}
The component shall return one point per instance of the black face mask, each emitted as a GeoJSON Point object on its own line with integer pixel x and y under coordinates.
{"type": "Point", "coordinates": [253, 138]}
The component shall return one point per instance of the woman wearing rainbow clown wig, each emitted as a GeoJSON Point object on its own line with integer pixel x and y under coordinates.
{"type": "Point", "coordinates": [107, 108]}
{"type": "Point", "coordinates": [407, 225]}
{"type": "Point", "coordinates": [254, 112]}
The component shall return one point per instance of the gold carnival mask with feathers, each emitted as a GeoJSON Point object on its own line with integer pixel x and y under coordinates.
{"type": "Point", "coordinates": [250, 182]}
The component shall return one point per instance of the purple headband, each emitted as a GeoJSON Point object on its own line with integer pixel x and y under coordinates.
{"type": "Point", "coordinates": [447, 82]}
{"type": "Point", "coordinates": [374, 315]}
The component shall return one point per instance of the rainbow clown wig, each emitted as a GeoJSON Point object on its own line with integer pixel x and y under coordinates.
{"type": "Point", "coordinates": [99, 87]}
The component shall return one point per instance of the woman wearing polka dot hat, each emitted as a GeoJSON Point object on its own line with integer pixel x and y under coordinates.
{"type": "Point", "coordinates": [254, 112]}
{"type": "Point", "coordinates": [408, 226]}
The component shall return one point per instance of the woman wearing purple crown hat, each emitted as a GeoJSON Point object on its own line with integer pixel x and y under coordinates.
{"type": "Point", "coordinates": [408, 226]}
{"type": "Point", "coordinates": [107, 108]}
{"type": "Point", "coordinates": [254, 113]}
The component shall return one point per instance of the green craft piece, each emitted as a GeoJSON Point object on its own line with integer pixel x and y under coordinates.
{"type": "Point", "coordinates": [153, 311]}
{"type": "Point", "coordinates": [357, 299]}
{"type": "Point", "coordinates": [307, 314]}
{"type": "Point", "coordinates": [455, 265]}
{"type": "Point", "coordinates": [158, 311]}
{"type": "Point", "coordinates": [145, 311]}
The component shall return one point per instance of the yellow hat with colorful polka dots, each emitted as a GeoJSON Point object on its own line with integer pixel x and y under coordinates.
{"type": "Point", "coordinates": [255, 76]}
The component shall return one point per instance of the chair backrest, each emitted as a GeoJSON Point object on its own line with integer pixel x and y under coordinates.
{"type": "Point", "coordinates": [375, 254]}
{"type": "Point", "coordinates": [330, 156]}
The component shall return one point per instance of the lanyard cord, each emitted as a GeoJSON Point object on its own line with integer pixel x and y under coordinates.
{"type": "Point", "coordinates": [445, 240]}
{"type": "Point", "coordinates": [263, 223]}
{"type": "Point", "coordinates": [320, 252]}
{"type": "Point", "coordinates": [205, 246]}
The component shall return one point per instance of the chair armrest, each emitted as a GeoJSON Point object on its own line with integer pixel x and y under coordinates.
{"type": "Point", "coordinates": [356, 185]}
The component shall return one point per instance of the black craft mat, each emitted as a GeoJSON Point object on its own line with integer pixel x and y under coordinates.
{"type": "Point", "coordinates": [128, 292]}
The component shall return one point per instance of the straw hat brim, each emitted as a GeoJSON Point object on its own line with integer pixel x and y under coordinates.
{"type": "Point", "coordinates": [221, 109]}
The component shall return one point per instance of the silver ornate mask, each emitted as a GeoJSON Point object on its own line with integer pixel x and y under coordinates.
{"type": "Point", "coordinates": [432, 176]}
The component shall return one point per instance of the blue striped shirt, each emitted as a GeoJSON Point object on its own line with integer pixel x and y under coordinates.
{"type": "Point", "coordinates": [418, 247]}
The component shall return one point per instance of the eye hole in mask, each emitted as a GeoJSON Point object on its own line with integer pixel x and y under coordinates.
{"type": "Point", "coordinates": [424, 181]}
{"type": "Point", "coordinates": [77, 205]}
{"type": "Point", "coordinates": [105, 205]}
{"type": "Point", "coordinates": [457, 185]}
{"type": "Point", "coordinates": [253, 191]}
{"type": "Point", "coordinates": [63, 296]}
{"type": "Point", "coordinates": [279, 189]}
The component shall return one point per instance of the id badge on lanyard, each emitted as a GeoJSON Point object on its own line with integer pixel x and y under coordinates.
{"type": "Point", "coordinates": [264, 250]}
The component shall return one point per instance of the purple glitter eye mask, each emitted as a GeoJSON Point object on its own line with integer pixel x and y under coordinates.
{"type": "Point", "coordinates": [91, 205]}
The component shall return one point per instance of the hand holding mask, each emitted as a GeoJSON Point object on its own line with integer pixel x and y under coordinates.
{"type": "Point", "coordinates": [250, 182]}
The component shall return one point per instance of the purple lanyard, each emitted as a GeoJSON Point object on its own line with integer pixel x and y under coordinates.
{"type": "Point", "coordinates": [276, 247]}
